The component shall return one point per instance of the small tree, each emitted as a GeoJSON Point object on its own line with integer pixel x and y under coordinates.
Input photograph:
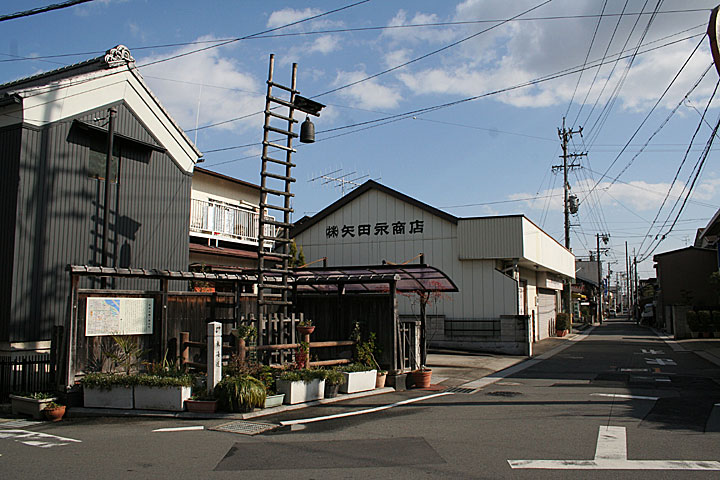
{"type": "Point", "coordinates": [297, 258]}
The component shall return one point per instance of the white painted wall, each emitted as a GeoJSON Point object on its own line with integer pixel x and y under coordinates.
{"type": "Point", "coordinates": [206, 187]}
{"type": "Point", "coordinates": [484, 292]}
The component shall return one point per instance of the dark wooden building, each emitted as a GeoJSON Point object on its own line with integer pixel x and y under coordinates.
{"type": "Point", "coordinates": [53, 146]}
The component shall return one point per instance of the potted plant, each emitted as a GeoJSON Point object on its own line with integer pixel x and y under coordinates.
{"type": "Point", "coordinates": [156, 392]}
{"type": "Point", "coordinates": [301, 355]}
{"type": "Point", "coordinates": [422, 377]}
{"type": "Point", "coordinates": [693, 323]}
{"type": "Point", "coordinates": [301, 386]}
{"type": "Point", "coordinates": [305, 327]}
{"type": "Point", "coordinates": [31, 403]}
{"type": "Point", "coordinates": [108, 390]}
{"type": "Point", "coordinates": [333, 379]}
{"type": "Point", "coordinates": [201, 402]}
{"type": "Point", "coordinates": [54, 411]}
{"type": "Point", "coordinates": [358, 378]}
{"type": "Point", "coordinates": [240, 393]}
{"type": "Point", "coordinates": [704, 321]}
{"type": "Point", "coordinates": [380, 379]}
{"type": "Point", "coordinates": [562, 324]}
{"type": "Point", "coordinates": [268, 376]}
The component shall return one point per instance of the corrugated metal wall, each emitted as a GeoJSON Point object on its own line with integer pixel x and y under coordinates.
{"type": "Point", "coordinates": [60, 209]}
{"type": "Point", "coordinates": [9, 155]}
{"type": "Point", "coordinates": [484, 238]}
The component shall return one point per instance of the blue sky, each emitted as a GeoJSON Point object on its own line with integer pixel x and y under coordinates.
{"type": "Point", "coordinates": [489, 156]}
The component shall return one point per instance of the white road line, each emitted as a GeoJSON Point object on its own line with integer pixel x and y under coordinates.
{"type": "Point", "coordinates": [611, 454]}
{"type": "Point", "coordinates": [361, 412]}
{"type": "Point", "coordinates": [180, 429]}
{"type": "Point", "coordinates": [620, 395]}
{"type": "Point", "coordinates": [497, 376]}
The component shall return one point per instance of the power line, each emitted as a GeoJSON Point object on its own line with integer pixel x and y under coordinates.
{"type": "Point", "coordinates": [48, 8]}
{"type": "Point", "coordinates": [442, 49]}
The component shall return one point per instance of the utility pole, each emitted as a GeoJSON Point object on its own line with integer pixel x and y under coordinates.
{"type": "Point", "coordinates": [627, 276]}
{"type": "Point", "coordinates": [565, 137]}
{"type": "Point", "coordinates": [637, 289]}
{"type": "Point", "coordinates": [599, 307]}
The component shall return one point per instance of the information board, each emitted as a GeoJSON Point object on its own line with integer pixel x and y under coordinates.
{"type": "Point", "coordinates": [118, 316]}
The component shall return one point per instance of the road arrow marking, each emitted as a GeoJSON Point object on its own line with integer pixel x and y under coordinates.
{"type": "Point", "coordinates": [652, 351]}
{"type": "Point", "coordinates": [180, 429]}
{"type": "Point", "coordinates": [611, 454]}
{"type": "Point", "coordinates": [660, 361]}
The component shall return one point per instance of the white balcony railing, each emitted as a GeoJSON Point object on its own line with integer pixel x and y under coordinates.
{"type": "Point", "coordinates": [220, 221]}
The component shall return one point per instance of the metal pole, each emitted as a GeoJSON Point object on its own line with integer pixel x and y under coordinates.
{"type": "Point", "coordinates": [108, 159]}
{"type": "Point", "coordinates": [600, 292]}
{"type": "Point", "coordinates": [627, 277]}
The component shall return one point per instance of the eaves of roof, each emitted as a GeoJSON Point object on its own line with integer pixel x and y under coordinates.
{"type": "Point", "coordinates": [361, 190]}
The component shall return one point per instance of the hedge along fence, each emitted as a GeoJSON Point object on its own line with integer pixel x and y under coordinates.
{"type": "Point", "coordinates": [704, 321]}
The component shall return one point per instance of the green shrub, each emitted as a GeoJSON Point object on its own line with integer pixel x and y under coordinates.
{"type": "Point", "coordinates": [105, 381]}
{"type": "Point", "coordinates": [562, 321]}
{"type": "Point", "coordinates": [356, 367]}
{"type": "Point", "coordinates": [704, 319]}
{"type": "Point", "coordinates": [306, 375]}
{"type": "Point", "coordinates": [692, 321]}
{"type": "Point", "coordinates": [333, 376]}
{"type": "Point", "coordinates": [240, 393]}
{"type": "Point", "coordinates": [715, 322]}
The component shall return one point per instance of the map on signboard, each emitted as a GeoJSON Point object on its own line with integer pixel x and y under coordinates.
{"type": "Point", "coordinates": [118, 316]}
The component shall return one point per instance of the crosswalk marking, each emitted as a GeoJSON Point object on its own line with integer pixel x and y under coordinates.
{"type": "Point", "coordinates": [611, 454]}
{"type": "Point", "coordinates": [37, 439]}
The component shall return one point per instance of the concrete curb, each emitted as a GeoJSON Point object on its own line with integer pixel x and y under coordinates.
{"type": "Point", "coordinates": [80, 412]}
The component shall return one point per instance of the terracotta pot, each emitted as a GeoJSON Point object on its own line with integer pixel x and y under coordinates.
{"type": "Point", "coordinates": [54, 414]}
{"type": "Point", "coordinates": [561, 333]}
{"type": "Point", "coordinates": [380, 382]}
{"type": "Point", "coordinates": [422, 378]}
{"type": "Point", "coordinates": [201, 406]}
{"type": "Point", "coordinates": [305, 330]}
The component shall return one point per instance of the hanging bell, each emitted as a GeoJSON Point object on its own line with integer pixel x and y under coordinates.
{"type": "Point", "coordinates": [307, 131]}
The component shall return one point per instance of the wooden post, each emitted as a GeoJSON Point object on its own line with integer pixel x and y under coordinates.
{"type": "Point", "coordinates": [183, 349]}
{"type": "Point", "coordinates": [163, 319]}
{"type": "Point", "coordinates": [241, 351]}
{"type": "Point", "coordinates": [306, 339]}
{"type": "Point", "coordinates": [423, 329]}
{"type": "Point", "coordinates": [71, 333]}
{"type": "Point", "coordinates": [214, 354]}
{"type": "Point", "coordinates": [394, 312]}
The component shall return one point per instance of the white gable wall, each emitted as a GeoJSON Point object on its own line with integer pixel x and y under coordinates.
{"type": "Point", "coordinates": [483, 291]}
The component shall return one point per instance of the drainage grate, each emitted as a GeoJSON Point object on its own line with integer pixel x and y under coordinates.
{"type": "Point", "coordinates": [246, 428]}
{"type": "Point", "coordinates": [504, 394]}
{"type": "Point", "coordinates": [18, 423]}
{"type": "Point", "coordinates": [461, 390]}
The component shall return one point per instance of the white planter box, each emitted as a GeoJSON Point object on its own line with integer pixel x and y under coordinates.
{"type": "Point", "coordinates": [358, 381]}
{"type": "Point", "coordinates": [300, 392]}
{"type": "Point", "coordinates": [116, 397]}
{"type": "Point", "coordinates": [274, 400]}
{"type": "Point", "coordinates": [29, 406]}
{"type": "Point", "coordinates": [161, 398]}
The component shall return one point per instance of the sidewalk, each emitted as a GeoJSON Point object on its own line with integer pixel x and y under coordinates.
{"type": "Point", "coordinates": [707, 348]}
{"type": "Point", "coordinates": [450, 369]}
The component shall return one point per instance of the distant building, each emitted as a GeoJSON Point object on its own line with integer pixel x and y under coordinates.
{"type": "Point", "coordinates": [53, 142]}
{"type": "Point", "coordinates": [683, 279]}
{"type": "Point", "coordinates": [224, 217]}
{"type": "Point", "coordinates": [509, 272]}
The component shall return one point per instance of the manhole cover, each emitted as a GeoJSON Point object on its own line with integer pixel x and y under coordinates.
{"type": "Point", "coordinates": [246, 428]}
{"type": "Point", "coordinates": [504, 394]}
{"type": "Point", "coordinates": [460, 390]}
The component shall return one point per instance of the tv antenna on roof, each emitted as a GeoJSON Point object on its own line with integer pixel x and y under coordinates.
{"type": "Point", "coordinates": [344, 181]}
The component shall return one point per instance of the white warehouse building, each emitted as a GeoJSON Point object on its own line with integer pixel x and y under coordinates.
{"type": "Point", "coordinates": [508, 271]}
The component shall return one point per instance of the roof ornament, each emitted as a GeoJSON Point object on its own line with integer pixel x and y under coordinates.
{"type": "Point", "coordinates": [118, 56]}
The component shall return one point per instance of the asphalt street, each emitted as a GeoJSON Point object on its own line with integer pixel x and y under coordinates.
{"type": "Point", "coordinates": [615, 402]}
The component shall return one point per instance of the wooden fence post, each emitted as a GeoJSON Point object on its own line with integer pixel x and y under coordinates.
{"type": "Point", "coordinates": [214, 355]}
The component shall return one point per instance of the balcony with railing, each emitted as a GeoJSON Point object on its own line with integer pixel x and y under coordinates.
{"type": "Point", "coordinates": [219, 221]}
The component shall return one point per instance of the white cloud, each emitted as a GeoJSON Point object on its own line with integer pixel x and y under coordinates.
{"type": "Point", "coordinates": [325, 44]}
{"type": "Point", "coordinates": [416, 35]}
{"type": "Point", "coordinates": [519, 51]}
{"type": "Point", "coordinates": [286, 16]}
{"type": "Point", "coordinates": [208, 80]}
{"type": "Point", "coordinates": [369, 94]}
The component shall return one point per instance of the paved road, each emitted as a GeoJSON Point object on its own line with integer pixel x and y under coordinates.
{"type": "Point", "coordinates": [618, 403]}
